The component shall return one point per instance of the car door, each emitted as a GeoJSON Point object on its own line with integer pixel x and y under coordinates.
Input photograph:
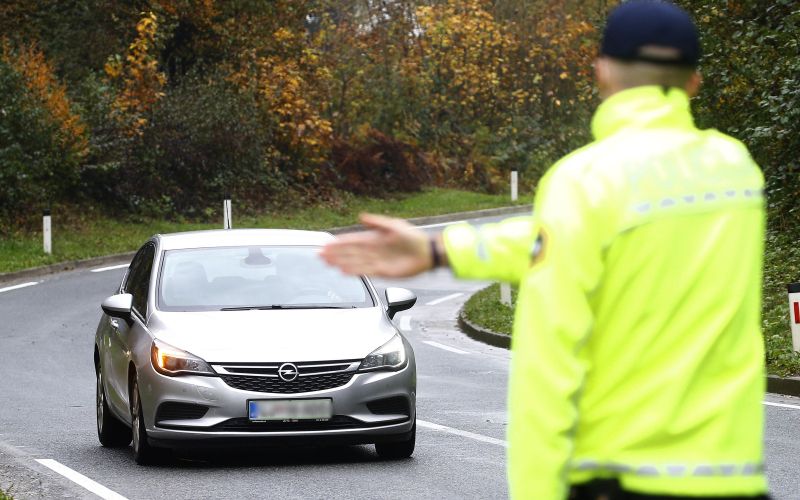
{"type": "Point", "coordinates": [123, 334]}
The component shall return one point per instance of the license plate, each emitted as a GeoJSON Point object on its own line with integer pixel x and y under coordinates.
{"type": "Point", "coordinates": [289, 410]}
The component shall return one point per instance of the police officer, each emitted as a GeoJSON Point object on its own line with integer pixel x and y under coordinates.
{"type": "Point", "coordinates": [638, 363]}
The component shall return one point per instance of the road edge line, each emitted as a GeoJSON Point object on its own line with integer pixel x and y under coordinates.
{"type": "Point", "coordinates": [459, 432]}
{"type": "Point", "coordinates": [81, 480]}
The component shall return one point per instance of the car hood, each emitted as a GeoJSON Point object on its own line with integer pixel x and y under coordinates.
{"type": "Point", "coordinates": [294, 335]}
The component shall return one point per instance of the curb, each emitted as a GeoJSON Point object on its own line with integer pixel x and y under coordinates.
{"type": "Point", "coordinates": [127, 256]}
{"type": "Point", "coordinates": [435, 219]}
{"type": "Point", "coordinates": [22, 477]}
{"type": "Point", "coordinates": [481, 334]}
{"type": "Point", "coordinates": [788, 386]}
{"type": "Point", "coordinates": [68, 265]}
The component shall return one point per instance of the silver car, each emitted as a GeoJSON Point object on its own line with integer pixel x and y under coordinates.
{"type": "Point", "coordinates": [246, 338]}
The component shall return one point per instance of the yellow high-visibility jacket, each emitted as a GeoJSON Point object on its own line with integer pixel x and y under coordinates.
{"type": "Point", "coordinates": [637, 350]}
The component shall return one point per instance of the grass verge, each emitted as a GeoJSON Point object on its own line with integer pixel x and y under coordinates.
{"type": "Point", "coordinates": [5, 496]}
{"type": "Point", "coordinates": [781, 266]}
{"type": "Point", "coordinates": [95, 235]}
{"type": "Point", "coordinates": [485, 309]}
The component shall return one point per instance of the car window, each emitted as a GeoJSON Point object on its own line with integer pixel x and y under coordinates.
{"type": "Point", "coordinates": [212, 279]}
{"type": "Point", "coordinates": [138, 281]}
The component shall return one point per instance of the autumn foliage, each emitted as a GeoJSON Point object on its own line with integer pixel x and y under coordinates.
{"type": "Point", "coordinates": [180, 101]}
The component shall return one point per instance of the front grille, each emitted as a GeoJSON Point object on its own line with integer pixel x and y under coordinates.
{"type": "Point", "coordinates": [397, 405]}
{"type": "Point", "coordinates": [244, 425]}
{"type": "Point", "coordinates": [180, 411]}
{"type": "Point", "coordinates": [277, 386]}
{"type": "Point", "coordinates": [311, 376]}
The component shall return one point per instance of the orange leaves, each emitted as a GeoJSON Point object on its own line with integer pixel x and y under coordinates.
{"type": "Point", "coordinates": [463, 51]}
{"type": "Point", "coordinates": [39, 77]}
{"type": "Point", "coordinates": [138, 77]}
{"type": "Point", "coordinates": [289, 80]}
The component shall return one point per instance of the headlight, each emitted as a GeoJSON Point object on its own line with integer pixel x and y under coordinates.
{"type": "Point", "coordinates": [171, 361]}
{"type": "Point", "coordinates": [390, 356]}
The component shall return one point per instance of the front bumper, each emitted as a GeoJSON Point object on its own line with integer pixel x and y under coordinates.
{"type": "Point", "coordinates": [225, 422]}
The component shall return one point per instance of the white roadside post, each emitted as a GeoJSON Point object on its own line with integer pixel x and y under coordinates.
{"type": "Point", "coordinates": [514, 185]}
{"type": "Point", "coordinates": [505, 294]}
{"type": "Point", "coordinates": [505, 288]}
{"type": "Point", "coordinates": [227, 220]}
{"type": "Point", "coordinates": [47, 232]}
{"type": "Point", "coordinates": [794, 314]}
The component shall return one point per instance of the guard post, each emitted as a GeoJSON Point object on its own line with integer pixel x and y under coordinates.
{"type": "Point", "coordinates": [227, 220]}
{"type": "Point", "coordinates": [514, 185]}
{"type": "Point", "coordinates": [47, 235]}
{"type": "Point", "coordinates": [794, 314]}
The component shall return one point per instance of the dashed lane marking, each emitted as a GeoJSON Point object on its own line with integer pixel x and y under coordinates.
{"type": "Point", "coordinates": [445, 347]}
{"type": "Point", "coordinates": [781, 405]}
{"type": "Point", "coordinates": [405, 323]}
{"type": "Point", "coordinates": [109, 268]}
{"type": "Point", "coordinates": [444, 299]}
{"type": "Point", "coordinates": [78, 478]}
{"type": "Point", "coordinates": [459, 432]}
{"type": "Point", "coordinates": [441, 224]}
{"type": "Point", "coordinates": [17, 287]}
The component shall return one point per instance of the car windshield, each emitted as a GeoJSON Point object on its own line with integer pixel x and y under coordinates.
{"type": "Point", "coordinates": [255, 277]}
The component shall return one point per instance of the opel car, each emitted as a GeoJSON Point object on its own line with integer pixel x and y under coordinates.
{"type": "Point", "coordinates": [247, 338]}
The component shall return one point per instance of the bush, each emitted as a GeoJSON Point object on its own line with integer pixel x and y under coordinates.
{"type": "Point", "coordinates": [204, 140]}
{"type": "Point", "coordinates": [36, 167]}
{"type": "Point", "coordinates": [752, 89]}
{"type": "Point", "coordinates": [378, 165]}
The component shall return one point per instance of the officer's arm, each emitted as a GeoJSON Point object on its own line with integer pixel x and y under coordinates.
{"type": "Point", "coordinates": [553, 322]}
{"type": "Point", "coordinates": [497, 251]}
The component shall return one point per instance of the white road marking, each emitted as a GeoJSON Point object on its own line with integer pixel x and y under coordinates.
{"type": "Point", "coordinates": [405, 323]}
{"type": "Point", "coordinates": [459, 432]}
{"type": "Point", "coordinates": [781, 405]}
{"type": "Point", "coordinates": [445, 347]}
{"type": "Point", "coordinates": [444, 299]}
{"type": "Point", "coordinates": [16, 287]}
{"type": "Point", "coordinates": [500, 442]}
{"type": "Point", "coordinates": [78, 478]}
{"type": "Point", "coordinates": [441, 224]}
{"type": "Point", "coordinates": [109, 268]}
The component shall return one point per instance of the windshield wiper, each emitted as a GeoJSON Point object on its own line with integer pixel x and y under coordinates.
{"type": "Point", "coordinates": [284, 306]}
{"type": "Point", "coordinates": [312, 306]}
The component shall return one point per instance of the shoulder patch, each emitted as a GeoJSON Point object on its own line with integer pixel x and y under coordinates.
{"type": "Point", "coordinates": [539, 248]}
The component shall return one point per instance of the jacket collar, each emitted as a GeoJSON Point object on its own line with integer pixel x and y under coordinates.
{"type": "Point", "coordinates": [640, 108]}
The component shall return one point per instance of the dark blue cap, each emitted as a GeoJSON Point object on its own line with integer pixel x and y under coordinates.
{"type": "Point", "coordinates": [651, 31]}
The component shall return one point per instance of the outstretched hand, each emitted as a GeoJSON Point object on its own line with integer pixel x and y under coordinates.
{"type": "Point", "coordinates": [390, 248]}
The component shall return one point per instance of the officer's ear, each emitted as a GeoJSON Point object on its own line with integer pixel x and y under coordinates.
{"type": "Point", "coordinates": [603, 77]}
{"type": "Point", "coordinates": [694, 84]}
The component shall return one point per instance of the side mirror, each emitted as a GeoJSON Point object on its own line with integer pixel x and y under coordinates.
{"type": "Point", "coordinates": [118, 306]}
{"type": "Point", "coordinates": [399, 299]}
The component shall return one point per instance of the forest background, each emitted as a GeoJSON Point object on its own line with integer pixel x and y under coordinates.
{"type": "Point", "coordinates": [156, 108]}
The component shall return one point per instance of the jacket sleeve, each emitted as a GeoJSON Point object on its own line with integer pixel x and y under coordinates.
{"type": "Point", "coordinates": [498, 251]}
{"type": "Point", "coordinates": [553, 321]}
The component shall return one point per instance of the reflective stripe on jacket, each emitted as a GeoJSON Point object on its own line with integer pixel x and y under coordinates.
{"type": "Point", "coordinates": [637, 349]}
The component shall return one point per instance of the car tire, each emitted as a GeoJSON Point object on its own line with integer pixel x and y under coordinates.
{"type": "Point", "coordinates": [143, 453]}
{"type": "Point", "coordinates": [400, 449]}
{"type": "Point", "coordinates": [111, 432]}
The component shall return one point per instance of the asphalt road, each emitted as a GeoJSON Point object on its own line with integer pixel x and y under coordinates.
{"type": "Point", "coordinates": [47, 413]}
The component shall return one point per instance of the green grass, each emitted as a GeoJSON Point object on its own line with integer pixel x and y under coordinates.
{"type": "Point", "coordinates": [781, 267]}
{"type": "Point", "coordinates": [485, 309]}
{"type": "Point", "coordinates": [5, 496]}
{"type": "Point", "coordinates": [93, 235]}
